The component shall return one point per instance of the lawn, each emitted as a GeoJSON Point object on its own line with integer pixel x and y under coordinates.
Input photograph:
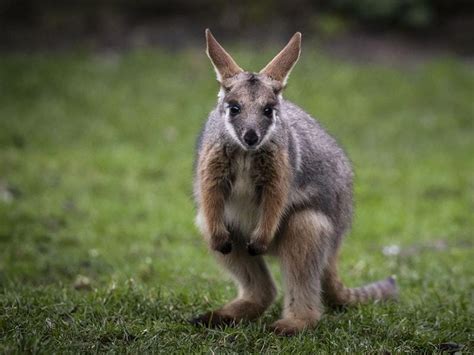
{"type": "Point", "coordinates": [98, 249]}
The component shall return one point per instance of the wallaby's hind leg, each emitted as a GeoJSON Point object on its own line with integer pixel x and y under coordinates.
{"type": "Point", "coordinates": [302, 248]}
{"type": "Point", "coordinates": [256, 289]}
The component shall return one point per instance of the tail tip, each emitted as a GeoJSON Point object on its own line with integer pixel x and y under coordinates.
{"type": "Point", "coordinates": [394, 293]}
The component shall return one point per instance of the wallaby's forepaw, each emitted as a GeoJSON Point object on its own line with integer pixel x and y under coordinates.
{"type": "Point", "coordinates": [212, 320]}
{"type": "Point", "coordinates": [221, 243]}
{"type": "Point", "coordinates": [225, 248]}
{"type": "Point", "coordinates": [257, 248]}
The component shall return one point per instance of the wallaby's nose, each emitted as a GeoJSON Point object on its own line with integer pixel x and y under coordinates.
{"type": "Point", "coordinates": [251, 137]}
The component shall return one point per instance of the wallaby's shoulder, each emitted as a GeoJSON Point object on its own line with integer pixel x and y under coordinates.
{"type": "Point", "coordinates": [310, 133]}
{"type": "Point", "coordinates": [212, 132]}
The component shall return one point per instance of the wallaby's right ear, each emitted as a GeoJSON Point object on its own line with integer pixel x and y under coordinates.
{"type": "Point", "coordinates": [280, 67]}
{"type": "Point", "coordinates": [223, 63]}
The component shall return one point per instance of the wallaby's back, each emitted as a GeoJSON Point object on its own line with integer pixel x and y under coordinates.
{"type": "Point", "coordinates": [322, 171]}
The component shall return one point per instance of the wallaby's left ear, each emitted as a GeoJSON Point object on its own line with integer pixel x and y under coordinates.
{"type": "Point", "coordinates": [224, 64]}
{"type": "Point", "coordinates": [280, 67]}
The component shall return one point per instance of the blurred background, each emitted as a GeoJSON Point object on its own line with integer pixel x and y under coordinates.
{"type": "Point", "coordinates": [432, 24]}
{"type": "Point", "coordinates": [100, 105]}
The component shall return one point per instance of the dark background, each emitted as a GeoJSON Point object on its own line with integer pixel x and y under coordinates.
{"type": "Point", "coordinates": [433, 25]}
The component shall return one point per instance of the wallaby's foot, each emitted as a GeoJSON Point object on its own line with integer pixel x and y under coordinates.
{"type": "Point", "coordinates": [232, 313]}
{"type": "Point", "coordinates": [291, 326]}
{"type": "Point", "coordinates": [212, 320]}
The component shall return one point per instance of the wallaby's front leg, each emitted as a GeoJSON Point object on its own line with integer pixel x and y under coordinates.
{"type": "Point", "coordinates": [273, 178]}
{"type": "Point", "coordinates": [214, 184]}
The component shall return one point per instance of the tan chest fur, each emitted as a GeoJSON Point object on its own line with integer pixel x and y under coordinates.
{"type": "Point", "coordinates": [241, 208]}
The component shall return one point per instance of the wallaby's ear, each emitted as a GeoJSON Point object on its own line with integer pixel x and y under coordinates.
{"type": "Point", "coordinates": [280, 67]}
{"type": "Point", "coordinates": [223, 63]}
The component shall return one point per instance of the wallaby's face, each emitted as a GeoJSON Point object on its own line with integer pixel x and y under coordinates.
{"type": "Point", "coordinates": [250, 107]}
{"type": "Point", "coordinates": [250, 102]}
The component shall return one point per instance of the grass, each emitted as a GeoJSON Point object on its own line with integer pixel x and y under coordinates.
{"type": "Point", "coordinates": [98, 251]}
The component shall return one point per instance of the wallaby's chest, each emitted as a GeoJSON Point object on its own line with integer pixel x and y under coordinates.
{"type": "Point", "coordinates": [241, 207]}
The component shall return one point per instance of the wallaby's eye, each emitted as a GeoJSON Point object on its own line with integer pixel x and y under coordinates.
{"type": "Point", "coordinates": [234, 109]}
{"type": "Point", "coordinates": [268, 111]}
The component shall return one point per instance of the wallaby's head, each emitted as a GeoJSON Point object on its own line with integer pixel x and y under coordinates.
{"type": "Point", "coordinates": [249, 103]}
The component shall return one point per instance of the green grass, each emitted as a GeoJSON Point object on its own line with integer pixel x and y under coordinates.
{"type": "Point", "coordinates": [96, 156]}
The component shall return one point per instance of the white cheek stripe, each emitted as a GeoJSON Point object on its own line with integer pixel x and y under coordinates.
{"type": "Point", "coordinates": [230, 128]}
{"type": "Point", "coordinates": [221, 94]}
{"type": "Point", "coordinates": [270, 130]}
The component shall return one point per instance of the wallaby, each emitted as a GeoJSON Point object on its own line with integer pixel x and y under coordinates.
{"type": "Point", "coordinates": [270, 180]}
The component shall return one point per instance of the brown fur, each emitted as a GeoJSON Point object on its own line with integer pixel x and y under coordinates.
{"type": "Point", "coordinates": [302, 248]}
{"type": "Point", "coordinates": [273, 177]}
{"type": "Point", "coordinates": [214, 169]}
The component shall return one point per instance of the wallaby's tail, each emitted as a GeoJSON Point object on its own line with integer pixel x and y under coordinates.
{"type": "Point", "coordinates": [336, 294]}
